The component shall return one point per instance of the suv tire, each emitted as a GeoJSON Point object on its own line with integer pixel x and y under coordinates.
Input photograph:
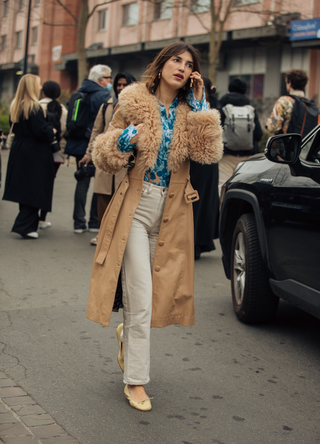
{"type": "Point", "coordinates": [253, 300]}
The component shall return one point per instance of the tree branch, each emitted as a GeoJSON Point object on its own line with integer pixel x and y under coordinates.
{"type": "Point", "coordinates": [98, 5]}
{"type": "Point", "coordinates": [67, 10]}
{"type": "Point", "coordinates": [60, 24]}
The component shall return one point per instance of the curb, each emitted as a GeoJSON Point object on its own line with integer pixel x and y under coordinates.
{"type": "Point", "coordinates": [23, 421]}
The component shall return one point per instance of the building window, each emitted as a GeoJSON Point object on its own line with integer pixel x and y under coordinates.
{"type": "Point", "coordinates": [163, 10]}
{"type": "Point", "coordinates": [19, 36]}
{"type": "Point", "coordinates": [34, 36]}
{"type": "Point", "coordinates": [254, 83]}
{"type": "Point", "coordinates": [130, 14]}
{"type": "Point", "coordinates": [3, 43]}
{"type": "Point", "coordinates": [36, 3]}
{"type": "Point", "coordinates": [22, 5]}
{"type": "Point", "coordinates": [5, 8]}
{"type": "Point", "coordinates": [200, 6]}
{"type": "Point", "coordinates": [103, 20]}
{"type": "Point", "coordinates": [245, 2]}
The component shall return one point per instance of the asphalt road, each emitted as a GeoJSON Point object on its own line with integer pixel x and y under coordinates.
{"type": "Point", "coordinates": [217, 382]}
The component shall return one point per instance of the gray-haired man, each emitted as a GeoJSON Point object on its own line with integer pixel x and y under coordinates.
{"type": "Point", "coordinates": [98, 85]}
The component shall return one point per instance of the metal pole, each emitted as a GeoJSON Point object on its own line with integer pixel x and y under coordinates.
{"type": "Point", "coordinates": [25, 62]}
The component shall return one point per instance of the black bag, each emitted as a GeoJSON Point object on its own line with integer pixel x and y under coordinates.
{"type": "Point", "coordinates": [305, 114]}
{"type": "Point", "coordinates": [53, 120]}
{"type": "Point", "coordinates": [79, 118]}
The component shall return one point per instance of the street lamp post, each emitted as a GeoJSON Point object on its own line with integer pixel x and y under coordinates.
{"type": "Point", "coordinates": [25, 61]}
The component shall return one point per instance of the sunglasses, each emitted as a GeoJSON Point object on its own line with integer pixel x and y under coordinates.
{"type": "Point", "coordinates": [107, 77]}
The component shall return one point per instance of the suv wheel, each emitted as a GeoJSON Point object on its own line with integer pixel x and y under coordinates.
{"type": "Point", "coordinates": [253, 300]}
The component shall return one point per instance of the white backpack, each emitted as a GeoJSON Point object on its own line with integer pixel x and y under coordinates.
{"type": "Point", "coordinates": [238, 127]}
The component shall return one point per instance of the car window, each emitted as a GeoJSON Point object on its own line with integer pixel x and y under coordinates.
{"type": "Point", "coordinates": [311, 149]}
{"type": "Point", "coordinates": [305, 150]}
{"type": "Point", "coordinates": [314, 154]}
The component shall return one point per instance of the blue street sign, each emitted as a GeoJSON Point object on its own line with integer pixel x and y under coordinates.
{"type": "Point", "coordinates": [305, 29]}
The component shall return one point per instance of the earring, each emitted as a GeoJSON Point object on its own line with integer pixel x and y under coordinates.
{"type": "Point", "coordinates": [191, 83]}
{"type": "Point", "coordinates": [159, 75]}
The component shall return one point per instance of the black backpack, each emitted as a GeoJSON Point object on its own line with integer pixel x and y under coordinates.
{"type": "Point", "coordinates": [305, 115]}
{"type": "Point", "coordinates": [79, 118]}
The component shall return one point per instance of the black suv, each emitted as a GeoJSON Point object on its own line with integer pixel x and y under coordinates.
{"type": "Point", "coordinates": [270, 228]}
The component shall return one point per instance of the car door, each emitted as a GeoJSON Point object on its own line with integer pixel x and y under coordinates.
{"type": "Point", "coordinates": [294, 223]}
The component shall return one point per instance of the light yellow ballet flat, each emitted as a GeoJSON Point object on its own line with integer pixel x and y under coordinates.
{"type": "Point", "coordinates": [118, 332]}
{"type": "Point", "coordinates": [144, 405]}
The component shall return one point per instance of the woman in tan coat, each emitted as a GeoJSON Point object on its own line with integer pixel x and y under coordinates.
{"type": "Point", "coordinates": [147, 230]}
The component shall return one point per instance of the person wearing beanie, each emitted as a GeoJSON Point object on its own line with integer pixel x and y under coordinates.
{"type": "Point", "coordinates": [51, 91]}
{"type": "Point", "coordinates": [236, 96]}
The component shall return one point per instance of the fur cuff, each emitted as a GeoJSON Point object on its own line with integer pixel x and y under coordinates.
{"type": "Point", "coordinates": [106, 155]}
{"type": "Point", "coordinates": [205, 136]}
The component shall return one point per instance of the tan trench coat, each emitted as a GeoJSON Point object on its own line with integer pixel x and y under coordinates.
{"type": "Point", "coordinates": [196, 136]}
{"type": "Point", "coordinates": [102, 180]}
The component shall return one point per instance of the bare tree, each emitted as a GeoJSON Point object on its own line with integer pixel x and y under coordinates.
{"type": "Point", "coordinates": [80, 21]}
{"type": "Point", "coordinates": [221, 10]}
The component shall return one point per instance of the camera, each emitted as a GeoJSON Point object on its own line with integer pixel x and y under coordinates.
{"type": "Point", "coordinates": [85, 171]}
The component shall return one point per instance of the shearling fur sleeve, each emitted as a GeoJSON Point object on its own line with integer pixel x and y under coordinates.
{"type": "Point", "coordinates": [205, 136]}
{"type": "Point", "coordinates": [106, 155]}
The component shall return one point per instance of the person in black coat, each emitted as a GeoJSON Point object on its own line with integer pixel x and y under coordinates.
{"type": "Point", "coordinates": [30, 171]}
{"type": "Point", "coordinates": [98, 86]}
{"type": "Point", "coordinates": [237, 97]}
{"type": "Point", "coordinates": [204, 179]}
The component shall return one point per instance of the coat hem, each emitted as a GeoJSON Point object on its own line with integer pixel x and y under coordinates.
{"type": "Point", "coordinates": [99, 318]}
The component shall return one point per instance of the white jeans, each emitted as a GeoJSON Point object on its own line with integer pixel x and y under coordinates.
{"type": "Point", "coordinates": [137, 267]}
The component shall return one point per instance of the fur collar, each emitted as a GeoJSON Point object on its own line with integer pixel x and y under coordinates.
{"type": "Point", "coordinates": [139, 106]}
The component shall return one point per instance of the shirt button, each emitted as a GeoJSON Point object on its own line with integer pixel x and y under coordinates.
{"type": "Point", "coordinates": [161, 243]}
{"type": "Point", "coordinates": [171, 194]}
{"type": "Point", "coordinates": [157, 268]}
{"type": "Point", "coordinates": [165, 220]}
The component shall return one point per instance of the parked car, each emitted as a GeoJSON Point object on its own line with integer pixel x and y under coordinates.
{"type": "Point", "coordinates": [270, 228]}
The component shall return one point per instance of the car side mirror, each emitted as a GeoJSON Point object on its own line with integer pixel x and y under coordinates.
{"type": "Point", "coordinates": [284, 148]}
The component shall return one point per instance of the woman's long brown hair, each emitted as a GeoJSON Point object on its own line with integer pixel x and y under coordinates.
{"type": "Point", "coordinates": [150, 77]}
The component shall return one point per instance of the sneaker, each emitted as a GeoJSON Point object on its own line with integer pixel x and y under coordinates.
{"type": "Point", "coordinates": [79, 230]}
{"type": "Point", "coordinates": [43, 224]}
{"type": "Point", "coordinates": [32, 235]}
{"type": "Point", "coordinates": [94, 241]}
{"type": "Point", "coordinates": [94, 230]}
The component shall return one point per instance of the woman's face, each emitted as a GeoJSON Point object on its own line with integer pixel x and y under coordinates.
{"type": "Point", "coordinates": [121, 84]}
{"type": "Point", "coordinates": [177, 70]}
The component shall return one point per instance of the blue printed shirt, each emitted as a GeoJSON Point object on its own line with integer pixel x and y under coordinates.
{"type": "Point", "coordinates": [160, 175]}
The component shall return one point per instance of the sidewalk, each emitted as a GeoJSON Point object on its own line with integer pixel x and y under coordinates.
{"type": "Point", "coordinates": [22, 421]}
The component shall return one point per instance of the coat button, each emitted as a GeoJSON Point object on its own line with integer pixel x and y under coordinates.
{"type": "Point", "coordinates": [171, 194]}
{"type": "Point", "coordinates": [161, 243]}
{"type": "Point", "coordinates": [157, 268]}
{"type": "Point", "coordinates": [165, 220]}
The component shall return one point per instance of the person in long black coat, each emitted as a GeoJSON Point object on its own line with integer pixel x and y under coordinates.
{"type": "Point", "coordinates": [205, 179]}
{"type": "Point", "coordinates": [30, 171]}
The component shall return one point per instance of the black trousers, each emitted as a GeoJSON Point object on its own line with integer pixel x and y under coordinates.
{"type": "Point", "coordinates": [27, 220]}
{"type": "Point", "coordinates": [43, 214]}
